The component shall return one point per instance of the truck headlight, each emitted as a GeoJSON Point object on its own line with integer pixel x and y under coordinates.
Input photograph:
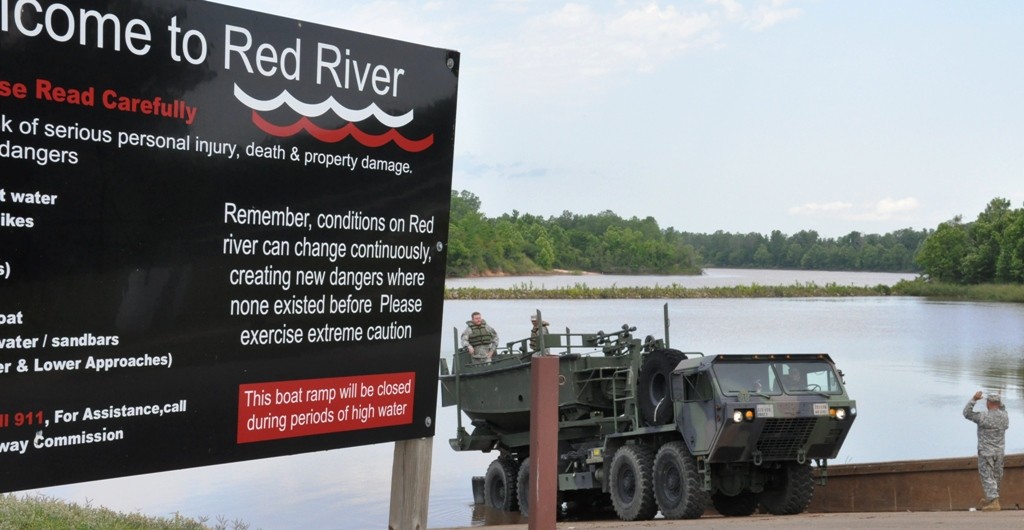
{"type": "Point", "coordinates": [740, 415]}
{"type": "Point", "coordinates": [838, 413]}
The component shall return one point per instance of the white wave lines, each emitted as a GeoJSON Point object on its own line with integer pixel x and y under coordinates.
{"type": "Point", "coordinates": [312, 110]}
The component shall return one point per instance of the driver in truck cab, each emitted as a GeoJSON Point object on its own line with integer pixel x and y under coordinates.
{"type": "Point", "coordinates": [795, 379]}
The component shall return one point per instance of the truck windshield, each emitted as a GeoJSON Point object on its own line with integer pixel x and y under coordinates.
{"type": "Point", "coordinates": [756, 378]}
{"type": "Point", "coordinates": [806, 376]}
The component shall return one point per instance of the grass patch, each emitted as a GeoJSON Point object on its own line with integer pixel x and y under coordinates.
{"type": "Point", "coordinates": [41, 512]}
{"type": "Point", "coordinates": [986, 292]}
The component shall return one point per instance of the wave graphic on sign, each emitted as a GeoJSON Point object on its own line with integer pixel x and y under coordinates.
{"type": "Point", "coordinates": [312, 110]}
{"type": "Point", "coordinates": [337, 135]}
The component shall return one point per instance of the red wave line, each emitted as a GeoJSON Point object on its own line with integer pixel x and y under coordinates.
{"type": "Point", "coordinates": [337, 135]}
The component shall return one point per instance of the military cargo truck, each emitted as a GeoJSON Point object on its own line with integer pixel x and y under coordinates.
{"type": "Point", "coordinates": [645, 428]}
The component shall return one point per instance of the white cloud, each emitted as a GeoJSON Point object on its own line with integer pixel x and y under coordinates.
{"type": "Point", "coordinates": [888, 205]}
{"type": "Point", "coordinates": [651, 35]}
{"type": "Point", "coordinates": [768, 15]}
{"type": "Point", "coordinates": [882, 210]}
{"type": "Point", "coordinates": [578, 46]}
{"type": "Point", "coordinates": [886, 209]}
{"type": "Point", "coordinates": [761, 16]}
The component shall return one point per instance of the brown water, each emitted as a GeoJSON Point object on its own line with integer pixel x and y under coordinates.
{"type": "Point", "coordinates": [910, 363]}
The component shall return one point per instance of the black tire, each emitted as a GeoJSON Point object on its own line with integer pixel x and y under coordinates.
{"type": "Point", "coordinates": [631, 483]}
{"type": "Point", "coordinates": [677, 484]}
{"type": "Point", "coordinates": [523, 487]}
{"type": "Point", "coordinates": [655, 383]}
{"type": "Point", "coordinates": [790, 490]}
{"type": "Point", "coordinates": [741, 505]}
{"type": "Point", "coordinates": [500, 485]}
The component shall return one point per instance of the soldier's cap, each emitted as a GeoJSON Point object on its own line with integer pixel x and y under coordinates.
{"type": "Point", "coordinates": [994, 397]}
{"type": "Point", "coordinates": [533, 316]}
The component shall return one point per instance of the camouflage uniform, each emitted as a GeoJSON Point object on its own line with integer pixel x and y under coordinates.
{"type": "Point", "coordinates": [482, 337]}
{"type": "Point", "coordinates": [534, 333]}
{"type": "Point", "coordinates": [992, 425]}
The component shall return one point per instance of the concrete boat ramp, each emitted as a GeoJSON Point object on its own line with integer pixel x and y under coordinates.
{"type": "Point", "coordinates": [940, 520]}
{"type": "Point", "coordinates": [908, 494]}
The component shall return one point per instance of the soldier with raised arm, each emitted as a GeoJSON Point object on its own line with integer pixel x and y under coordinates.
{"type": "Point", "coordinates": [992, 425]}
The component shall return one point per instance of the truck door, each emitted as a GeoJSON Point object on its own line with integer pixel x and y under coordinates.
{"type": "Point", "coordinates": [696, 419]}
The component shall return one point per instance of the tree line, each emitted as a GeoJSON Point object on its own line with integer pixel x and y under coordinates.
{"type": "Point", "coordinates": [892, 252]}
{"type": "Point", "coordinates": [987, 250]}
{"type": "Point", "coordinates": [523, 243]}
{"type": "Point", "coordinates": [516, 243]}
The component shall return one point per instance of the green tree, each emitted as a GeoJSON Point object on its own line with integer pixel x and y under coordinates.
{"type": "Point", "coordinates": [469, 236]}
{"type": "Point", "coordinates": [815, 258]}
{"type": "Point", "coordinates": [794, 255]}
{"type": "Point", "coordinates": [545, 257]}
{"type": "Point", "coordinates": [942, 253]}
{"type": "Point", "coordinates": [897, 258]}
{"type": "Point", "coordinates": [762, 257]}
{"type": "Point", "coordinates": [1010, 263]}
{"type": "Point", "coordinates": [984, 242]}
{"type": "Point", "coordinates": [777, 248]}
{"type": "Point", "coordinates": [871, 258]}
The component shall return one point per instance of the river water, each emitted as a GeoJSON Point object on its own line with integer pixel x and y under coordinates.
{"type": "Point", "coordinates": [911, 364]}
{"type": "Point", "coordinates": [710, 278]}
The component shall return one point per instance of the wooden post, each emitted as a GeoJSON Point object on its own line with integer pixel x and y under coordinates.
{"type": "Point", "coordinates": [410, 484]}
{"type": "Point", "coordinates": [543, 441]}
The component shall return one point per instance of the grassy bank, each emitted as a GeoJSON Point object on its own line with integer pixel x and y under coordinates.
{"type": "Point", "coordinates": [580, 291]}
{"type": "Point", "coordinates": [987, 292]}
{"type": "Point", "coordinates": [41, 512]}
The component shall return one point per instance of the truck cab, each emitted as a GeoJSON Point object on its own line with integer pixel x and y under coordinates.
{"type": "Point", "coordinates": [751, 421]}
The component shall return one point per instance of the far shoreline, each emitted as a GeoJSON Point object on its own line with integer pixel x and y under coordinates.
{"type": "Point", "coordinates": [702, 272]}
{"type": "Point", "coordinates": [918, 287]}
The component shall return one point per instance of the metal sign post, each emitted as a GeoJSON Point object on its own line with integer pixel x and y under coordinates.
{"type": "Point", "coordinates": [544, 394]}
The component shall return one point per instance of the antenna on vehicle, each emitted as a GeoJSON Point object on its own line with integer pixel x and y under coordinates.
{"type": "Point", "coordinates": [667, 343]}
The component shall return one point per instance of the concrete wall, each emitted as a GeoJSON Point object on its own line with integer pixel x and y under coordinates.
{"type": "Point", "coordinates": [918, 485]}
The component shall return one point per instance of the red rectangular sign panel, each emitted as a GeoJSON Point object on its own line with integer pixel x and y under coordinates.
{"type": "Point", "coordinates": [287, 409]}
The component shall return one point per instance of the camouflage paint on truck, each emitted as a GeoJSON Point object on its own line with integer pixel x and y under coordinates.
{"type": "Point", "coordinates": [645, 428]}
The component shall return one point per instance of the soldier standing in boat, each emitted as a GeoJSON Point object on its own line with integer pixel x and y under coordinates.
{"type": "Point", "coordinates": [535, 331]}
{"type": "Point", "coordinates": [992, 425]}
{"type": "Point", "coordinates": [479, 339]}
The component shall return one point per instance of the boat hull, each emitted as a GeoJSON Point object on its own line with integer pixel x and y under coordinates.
{"type": "Point", "coordinates": [497, 395]}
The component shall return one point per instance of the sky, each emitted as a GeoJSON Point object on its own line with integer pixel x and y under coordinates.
{"type": "Point", "coordinates": [741, 116]}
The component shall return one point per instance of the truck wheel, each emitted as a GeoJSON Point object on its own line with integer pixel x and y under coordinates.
{"type": "Point", "coordinates": [500, 485]}
{"type": "Point", "coordinates": [631, 484]}
{"type": "Point", "coordinates": [655, 402]}
{"type": "Point", "coordinates": [523, 487]}
{"type": "Point", "coordinates": [790, 491]}
{"type": "Point", "coordinates": [677, 484]}
{"type": "Point", "coordinates": [740, 505]}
